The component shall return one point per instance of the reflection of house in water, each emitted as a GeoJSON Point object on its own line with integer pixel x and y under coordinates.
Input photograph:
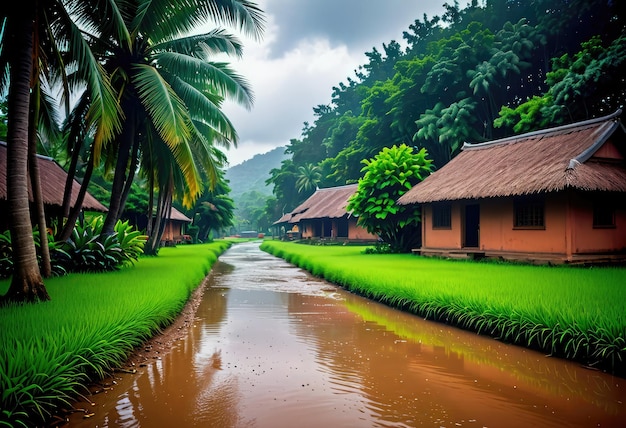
{"type": "Point", "coordinates": [323, 216]}
{"type": "Point", "coordinates": [556, 195]}
{"type": "Point", "coordinates": [53, 179]}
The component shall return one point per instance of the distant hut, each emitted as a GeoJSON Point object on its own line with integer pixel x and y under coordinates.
{"type": "Point", "coordinates": [174, 232]}
{"type": "Point", "coordinates": [555, 195]}
{"type": "Point", "coordinates": [324, 216]}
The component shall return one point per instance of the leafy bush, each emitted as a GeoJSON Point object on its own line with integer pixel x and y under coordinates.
{"type": "Point", "coordinates": [86, 250]}
{"type": "Point", "coordinates": [131, 241]}
{"type": "Point", "coordinates": [389, 175]}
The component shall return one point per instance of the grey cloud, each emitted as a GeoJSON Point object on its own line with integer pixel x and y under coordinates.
{"type": "Point", "coordinates": [359, 24]}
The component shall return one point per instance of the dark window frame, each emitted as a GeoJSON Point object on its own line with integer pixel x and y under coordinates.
{"type": "Point", "coordinates": [529, 213]}
{"type": "Point", "coordinates": [442, 216]}
{"type": "Point", "coordinates": [603, 216]}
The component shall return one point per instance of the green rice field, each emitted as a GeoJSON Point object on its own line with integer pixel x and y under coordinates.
{"type": "Point", "coordinates": [50, 351]}
{"type": "Point", "coordinates": [571, 312]}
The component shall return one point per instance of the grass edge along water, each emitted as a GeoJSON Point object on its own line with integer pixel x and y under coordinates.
{"type": "Point", "coordinates": [51, 350]}
{"type": "Point", "coordinates": [564, 311]}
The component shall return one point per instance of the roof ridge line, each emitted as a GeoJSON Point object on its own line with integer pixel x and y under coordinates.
{"type": "Point", "coordinates": [587, 122]}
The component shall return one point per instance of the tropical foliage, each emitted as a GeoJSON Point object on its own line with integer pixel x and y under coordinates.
{"type": "Point", "coordinates": [484, 71]}
{"type": "Point", "coordinates": [86, 250]}
{"type": "Point", "coordinates": [147, 98]}
{"type": "Point", "coordinates": [389, 175]}
{"type": "Point", "coordinates": [212, 212]}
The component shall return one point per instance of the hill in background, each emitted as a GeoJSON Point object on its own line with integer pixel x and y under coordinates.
{"type": "Point", "coordinates": [251, 174]}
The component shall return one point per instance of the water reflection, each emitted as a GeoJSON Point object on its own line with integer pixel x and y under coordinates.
{"type": "Point", "coordinates": [274, 347]}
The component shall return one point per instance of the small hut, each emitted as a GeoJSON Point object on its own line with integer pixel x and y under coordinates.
{"type": "Point", "coordinates": [53, 178]}
{"type": "Point", "coordinates": [174, 232]}
{"type": "Point", "coordinates": [324, 216]}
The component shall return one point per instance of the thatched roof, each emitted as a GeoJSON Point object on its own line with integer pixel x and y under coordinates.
{"type": "Point", "coordinates": [176, 215]}
{"type": "Point", "coordinates": [542, 161]}
{"type": "Point", "coordinates": [324, 203]}
{"type": "Point", "coordinates": [52, 183]}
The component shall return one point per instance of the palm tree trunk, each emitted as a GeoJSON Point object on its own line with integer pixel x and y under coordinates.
{"type": "Point", "coordinates": [164, 209]}
{"type": "Point", "coordinates": [132, 170]}
{"type": "Point", "coordinates": [69, 181]}
{"type": "Point", "coordinates": [35, 184]}
{"type": "Point", "coordinates": [70, 224]}
{"type": "Point", "coordinates": [26, 283]}
{"type": "Point", "coordinates": [74, 146]}
{"type": "Point", "coordinates": [120, 176]}
{"type": "Point", "coordinates": [150, 222]}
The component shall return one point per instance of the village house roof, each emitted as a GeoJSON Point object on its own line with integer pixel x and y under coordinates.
{"type": "Point", "coordinates": [550, 160]}
{"type": "Point", "coordinates": [52, 183]}
{"type": "Point", "coordinates": [176, 215]}
{"type": "Point", "coordinates": [330, 202]}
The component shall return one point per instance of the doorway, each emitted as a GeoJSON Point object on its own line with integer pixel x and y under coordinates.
{"type": "Point", "coordinates": [472, 226]}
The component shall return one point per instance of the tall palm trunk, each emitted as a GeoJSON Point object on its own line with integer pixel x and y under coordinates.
{"type": "Point", "coordinates": [35, 184]}
{"type": "Point", "coordinates": [26, 283]}
{"type": "Point", "coordinates": [68, 228]}
{"type": "Point", "coordinates": [132, 170]}
{"type": "Point", "coordinates": [120, 176]}
{"type": "Point", "coordinates": [163, 212]}
{"type": "Point", "coordinates": [69, 180]}
{"type": "Point", "coordinates": [76, 137]}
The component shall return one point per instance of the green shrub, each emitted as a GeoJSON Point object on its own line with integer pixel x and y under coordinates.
{"type": "Point", "coordinates": [86, 250]}
{"type": "Point", "coordinates": [131, 242]}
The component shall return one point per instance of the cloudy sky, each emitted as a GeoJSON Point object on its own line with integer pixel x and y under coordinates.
{"type": "Point", "coordinates": [308, 47]}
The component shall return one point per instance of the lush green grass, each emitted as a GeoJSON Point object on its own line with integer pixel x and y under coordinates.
{"type": "Point", "coordinates": [571, 312]}
{"type": "Point", "coordinates": [49, 351]}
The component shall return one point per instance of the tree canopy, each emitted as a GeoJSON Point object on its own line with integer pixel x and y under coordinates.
{"type": "Point", "coordinates": [484, 71]}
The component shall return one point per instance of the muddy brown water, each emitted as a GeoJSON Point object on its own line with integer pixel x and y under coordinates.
{"type": "Point", "coordinates": [274, 347]}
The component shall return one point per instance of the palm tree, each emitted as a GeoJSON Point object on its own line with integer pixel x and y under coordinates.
{"type": "Point", "coordinates": [309, 176]}
{"type": "Point", "coordinates": [169, 90]}
{"type": "Point", "coordinates": [38, 42]}
{"type": "Point", "coordinates": [26, 283]}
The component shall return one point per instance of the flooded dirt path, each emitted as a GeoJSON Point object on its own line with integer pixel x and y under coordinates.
{"type": "Point", "coordinates": [274, 347]}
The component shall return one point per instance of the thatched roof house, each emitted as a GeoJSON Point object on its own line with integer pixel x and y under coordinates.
{"type": "Point", "coordinates": [174, 232]}
{"type": "Point", "coordinates": [550, 195]}
{"type": "Point", "coordinates": [52, 186]}
{"type": "Point", "coordinates": [324, 215]}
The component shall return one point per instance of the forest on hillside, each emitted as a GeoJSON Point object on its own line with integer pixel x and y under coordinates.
{"type": "Point", "coordinates": [483, 71]}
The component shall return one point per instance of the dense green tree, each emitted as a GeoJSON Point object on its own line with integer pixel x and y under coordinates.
{"type": "Point", "coordinates": [249, 208]}
{"type": "Point", "coordinates": [213, 211]}
{"type": "Point", "coordinates": [284, 181]}
{"type": "Point", "coordinates": [589, 83]}
{"type": "Point", "coordinates": [387, 176]}
{"type": "Point", "coordinates": [456, 74]}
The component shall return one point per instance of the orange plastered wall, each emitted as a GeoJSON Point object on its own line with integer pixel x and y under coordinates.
{"type": "Point", "coordinates": [357, 232]}
{"type": "Point", "coordinates": [497, 231]}
{"type": "Point", "coordinates": [441, 238]}
{"type": "Point", "coordinates": [586, 238]}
